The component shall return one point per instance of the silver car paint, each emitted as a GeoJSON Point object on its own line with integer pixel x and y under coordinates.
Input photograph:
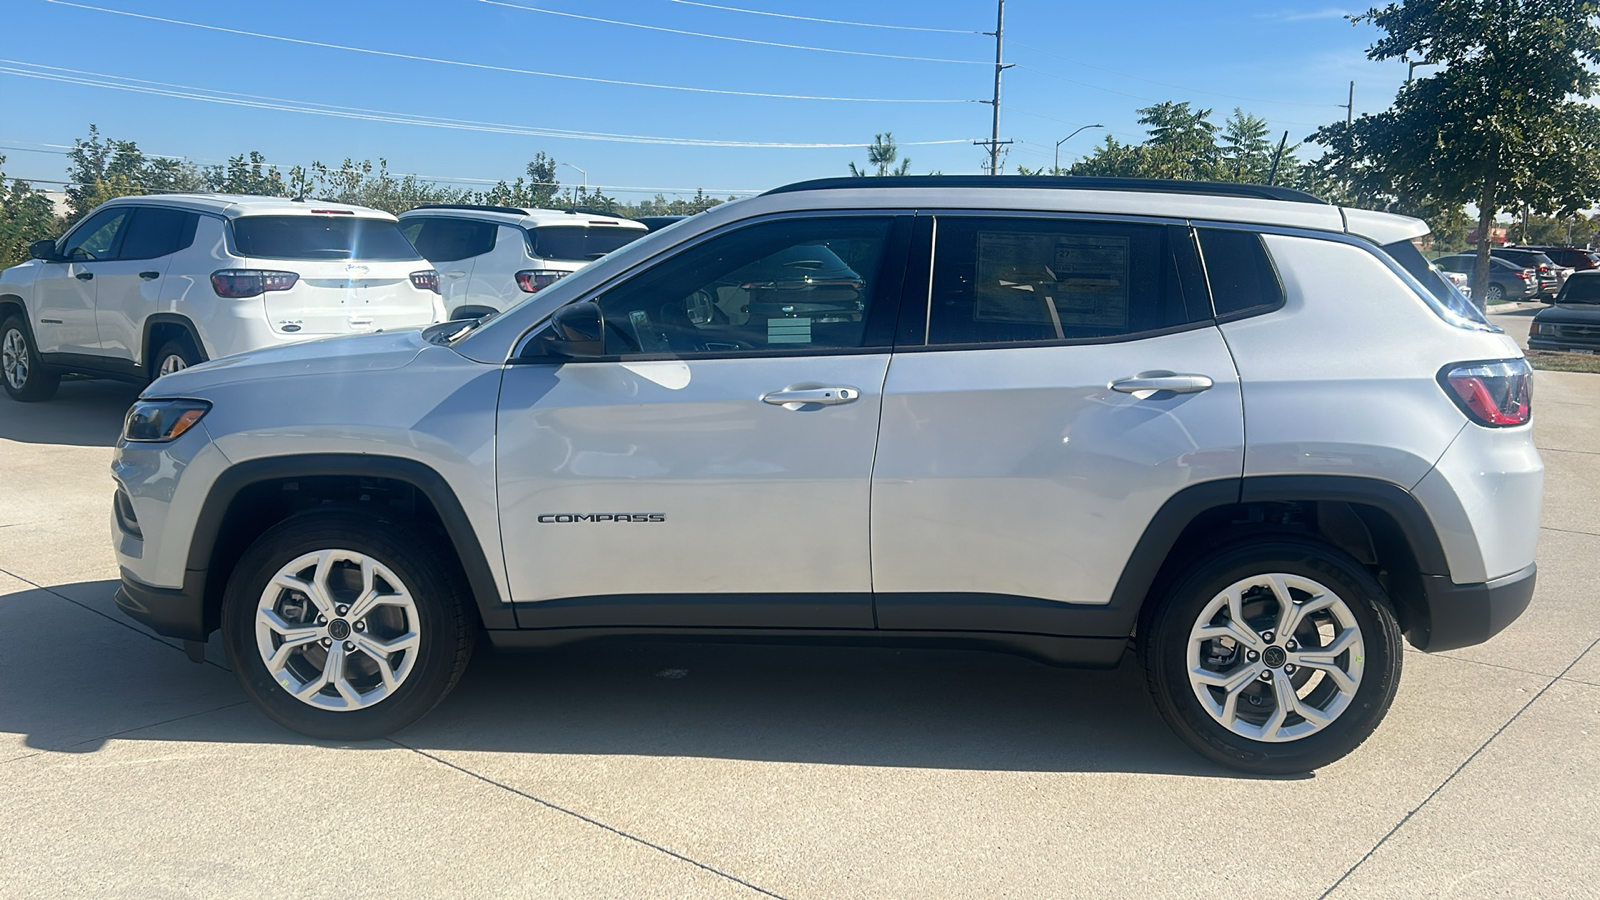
{"type": "Point", "coordinates": [1485, 498]}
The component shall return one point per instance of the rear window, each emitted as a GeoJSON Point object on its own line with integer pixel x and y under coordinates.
{"type": "Point", "coordinates": [579, 242]}
{"type": "Point", "coordinates": [447, 240]}
{"type": "Point", "coordinates": [321, 237]}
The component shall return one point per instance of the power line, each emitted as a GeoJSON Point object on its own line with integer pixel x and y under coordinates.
{"type": "Point", "coordinates": [486, 66]}
{"type": "Point", "coordinates": [185, 92]}
{"type": "Point", "coordinates": [758, 12]}
{"type": "Point", "coordinates": [723, 37]}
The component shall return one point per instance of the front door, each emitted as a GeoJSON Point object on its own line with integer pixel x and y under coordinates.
{"type": "Point", "coordinates": [64, 292]}
{"type": "Point", "coordinates": [714, 467]}
{"type": "Point", "coordinates": [1069, 382]}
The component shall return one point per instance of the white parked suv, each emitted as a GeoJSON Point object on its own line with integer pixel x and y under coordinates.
{"type": "Point", "coordinates": [490, 258]}
{"type": "Point", "coordinates": [145, 286]}
{"type": "Point", "coordinates": [1249, 435]}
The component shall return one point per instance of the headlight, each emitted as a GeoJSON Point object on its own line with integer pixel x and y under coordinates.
{"type": "Point", "coordinates": [159, 421]}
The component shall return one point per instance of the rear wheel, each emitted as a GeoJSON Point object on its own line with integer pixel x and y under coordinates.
{"type": "Point", "coordinates": [345, 626]}
{"type": "Point", "coordinates": [174, 356]}
{"type": "Point", "coordinates": [1274, 657]}
{"type": "Point", "coordinates": [1497, 292]}
{"type": "Point", "coordinates": [25, 378]}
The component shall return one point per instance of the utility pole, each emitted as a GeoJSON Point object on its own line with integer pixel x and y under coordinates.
{"type": "Point", "coordinates": [994, 141]}
{"type": "Point", "coordinates": [1350, 107]}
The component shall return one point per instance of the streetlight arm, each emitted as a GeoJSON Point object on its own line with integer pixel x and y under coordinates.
{"type": "Point", "coordinates": [1068, 138]}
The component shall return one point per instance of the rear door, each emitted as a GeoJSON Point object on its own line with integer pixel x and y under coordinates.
{"type": "Point", "coordinates": [452, 246]}
{"type": "Point", "coordinates": [1069, 381]}
{"type": "Point", "coordinates": [64, 292]}
{"type": "Point", "coordinates": [494, 275]}
{"type": "Point", "coordinates": [129, 288]}
{"type": "Point", "coordinates": [353, 273]}
{"type": "Point", "coordinates": [714, 468]}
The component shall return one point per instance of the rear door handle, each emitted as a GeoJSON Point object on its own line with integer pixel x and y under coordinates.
{"type": "Point", "coordinates": [455, 274]}
{"type": "Point", "coordinates": [795, 398]}
{"type": "Point", "coordinates": [85, 276]}
{"type": "Point", "coordinates": [149, 276]}
{"type": "Point", "coordinates": [1177, 384]}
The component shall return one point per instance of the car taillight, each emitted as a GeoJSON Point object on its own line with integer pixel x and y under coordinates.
{"type": "Point", "coordinates": [237, 283]}
{"type": "Point", "coordinates": [1525, 275]}
{"type": "Point", "coordinates": [1498, 394]}
{"type": "Point", "coordinates": [426, 280]}
{"type": "Point", "coordinates": [533, 281]}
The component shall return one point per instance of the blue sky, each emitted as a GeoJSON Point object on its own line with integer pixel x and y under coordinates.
{"type": "Point", "coordinates": [1077, 63]}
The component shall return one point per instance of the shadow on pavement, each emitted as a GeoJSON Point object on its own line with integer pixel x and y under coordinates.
{"type": "Point", "coordinates": [856, 706]}
{"type": "Point", "coordinates": [84, 413]}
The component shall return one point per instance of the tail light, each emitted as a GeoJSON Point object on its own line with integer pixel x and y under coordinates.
{"type": "Point", "coordinates": [426, 280]}
{"type": "Point", "coordinates": [1525, 275]}
{"type": "Point", "coordinates": [1498, 394]}
{"type": "Point", "coordinates": [533, 281]}
{"type": "Point", "coordinates": [238, 283]}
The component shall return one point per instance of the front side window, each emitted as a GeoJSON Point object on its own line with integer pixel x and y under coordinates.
{"type": "Point", "coordinates": [798, 285]}
{"type": "Point", "coordinates": [448, 240]}
{"type": "Point", "coordinates": [579, 242]}
{"type": "Point", "coordinates": [1032, 280]}
{"type": "Point", "coordinates": [158, 231]}
{"type": "Point", "coordinates": [321, 237]}
{"type": "Point", "coordinates": [99, 237]}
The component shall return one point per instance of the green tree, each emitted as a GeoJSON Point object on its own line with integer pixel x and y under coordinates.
{"type": "Point", "coordinates": [1246, 152]}
{"type": "Point", "coordinates": [26, 215]}
{"type": "Point", "coordinates": [1182, 142]}
{"type": "Point", "coordinates": [881, 155]}
{"type": "Point", "coordinates": [1504, 120]}
{"type": "Point", "coordinates": [247, 175]}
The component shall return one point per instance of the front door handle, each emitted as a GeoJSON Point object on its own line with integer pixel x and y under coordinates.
{"type": "Point", "coordinates": [85, 276]}
{"type": "Point", "coordinates": [1165, 381]}
{"type": "Point", "coordinates": [796, 398]}
{"type": "Point", "coordinates": [149, 276]}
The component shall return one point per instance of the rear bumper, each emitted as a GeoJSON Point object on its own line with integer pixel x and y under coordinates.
{"type": "Point", "coordinates": [176, 613]}
{"type": "Point", "coordinates": [1460, 615]}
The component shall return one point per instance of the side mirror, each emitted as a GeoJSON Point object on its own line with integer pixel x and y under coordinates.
{"type": "Point", "coordinates": [574, 332]}
{"type": "Point", "coordinates": [45, 250]}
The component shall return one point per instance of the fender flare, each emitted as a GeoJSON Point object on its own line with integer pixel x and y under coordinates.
{"type": "Point", "coordinates": [154, 319]}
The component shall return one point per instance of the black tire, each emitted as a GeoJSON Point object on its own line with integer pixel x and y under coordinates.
{"type": "Point", "coordinates": [35, 381]}
{"type": "Point", "coordinates": [433, 579]}
{"type": "Point", "coordinates": [1497, 292]}
{"type": "Point", "coordinates": [180, 350]}
{"type": "Point", "coordinates": [1164, 645]}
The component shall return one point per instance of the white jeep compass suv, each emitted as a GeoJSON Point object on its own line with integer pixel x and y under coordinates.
{"type": "Point", "coordinates": [144, 286]}
{"type": "Point", "coordinates": [1245, 434]}
{"type": "Point", "coordinates": [490, 258]}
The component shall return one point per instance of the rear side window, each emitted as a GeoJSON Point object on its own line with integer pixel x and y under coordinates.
{"type": "Point", "coordinates": [447, 240]}
{"type": "Point", "coordinates": [1039, 280]}
{"type": "Point", "coordinates": [321, 237]}
{"type": "Point", "coordinates": [1440, 289]}
{"type": "Point", "coordinates": [579, 242]}
{"type": "Point", "coordinates": [1243, 281]}
{"type": "Point", "coordinates": [156, 232]}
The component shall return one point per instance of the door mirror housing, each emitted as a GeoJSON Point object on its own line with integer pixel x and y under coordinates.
{"type": "Point", "coordinates": [45, 250]}
{"type": "Point", "coordinates": [574, 332]}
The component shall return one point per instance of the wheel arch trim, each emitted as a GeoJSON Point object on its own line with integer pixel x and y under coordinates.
{"type": "Point", "coordinates": [154, 320]}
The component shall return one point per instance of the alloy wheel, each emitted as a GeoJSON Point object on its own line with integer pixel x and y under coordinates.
{"type": "Point", "coordinates": [14, 359]}
{"type": "Point", "coordinates": [172, 362]}
{"type": "Point", "coordinates": [338, 630]}
{"type": "Point", "coordinates": [1275, 657]}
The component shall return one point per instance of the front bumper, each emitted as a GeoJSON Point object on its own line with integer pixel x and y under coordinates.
{"type": "Point", "coordinates": [1460, 615]}
{"type": "Point", "coordinates": [176, 613]}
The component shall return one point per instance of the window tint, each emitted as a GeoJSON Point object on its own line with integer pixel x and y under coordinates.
{"type": "Point", "coordinates": [1241, 276]}
{"type": "Point", "coordinates": [577, 242]}
{"type": "Point", "coordinates": [1008, 280]}
{"type": "Point", "coordinates": [320, 237]}
{"type": "Point", "coordinates": [798, 285]}
{"type": "Point", "coordinates": [1411, 259]}
{"type": "Point", "coordinates": [447, 240]}
{"type": "Point", "coordinates": [99, 237]}
{"type": "Point", "coordinates": [156, 231]}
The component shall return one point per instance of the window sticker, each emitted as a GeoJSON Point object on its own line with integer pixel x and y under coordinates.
{"type": "Point", "coordinates": [788, 331]}
{"type": "Point", "coordinates": [1052, 279]}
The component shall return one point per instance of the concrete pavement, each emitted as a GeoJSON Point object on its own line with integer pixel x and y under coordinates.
{"type": "Point", "coordinates": [656, 770]}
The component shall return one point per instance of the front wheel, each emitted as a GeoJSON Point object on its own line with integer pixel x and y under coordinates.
{"type": "Point", "coordinates": [26, 379]}
{"type": "Point", "coordinates": [346, 626]}
{"type": "Point", "coordinates": [1273, 657]}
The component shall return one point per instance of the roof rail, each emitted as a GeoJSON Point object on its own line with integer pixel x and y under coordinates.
{"type": "Point", "coordinates": [475, 207]}
{"type": "Point", "coordinates": [1058, 182]}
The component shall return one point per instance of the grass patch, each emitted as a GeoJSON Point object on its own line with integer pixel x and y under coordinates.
{"type": "Point", "coordinates": [1555, 361]}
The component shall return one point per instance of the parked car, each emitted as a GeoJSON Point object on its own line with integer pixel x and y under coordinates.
{"type": "Point", "coordinates": [1551, 276]}
{"type": "Point", "coordinates": [1015, 423]}
{"type": "Point", "coordinates": [1458, 280]}
{"type": "Point", "coordinates": [1573, 322]}
{"type": "Point", "coordinates": [1576, 258]}
{"type": "Point", "coordinates": [146, 286]}
{"type": "Point", "coordinates": [1507, 280]}
{"type": "Point", "coordinates": [491, 258]}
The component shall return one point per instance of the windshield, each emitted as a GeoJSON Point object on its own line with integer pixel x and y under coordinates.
{"type": "Point", "coordinates": [321, 237]}
{"type": "Point", "coordinates": [1581, 290]}
{"type": "Point", "coordinates": [579, 242]}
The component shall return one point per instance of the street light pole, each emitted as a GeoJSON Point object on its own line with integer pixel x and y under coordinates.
{"type": "Point", "coordinates": [1057, 169]}
{"type": "Point", "coordinates": [585, 176]}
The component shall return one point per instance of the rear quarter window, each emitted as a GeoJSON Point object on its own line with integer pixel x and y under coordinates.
{"type": "Point", "coordinates": [1243, 280]}
{"type": "Point", "coordinates": [321, 237]}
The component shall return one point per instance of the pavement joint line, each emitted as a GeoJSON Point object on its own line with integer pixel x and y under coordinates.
{"type": "Point", "coordinates": [1565, 450]}
{"type": "Point", "coordinates": [583, 818]}
{"type": "Point", "coordinates": [129, 626]}
{"type": "Point", "coordinates": [1458, 770]}
{"type": "Point", "coordinates": [1567, 530]}
{"type": "Point", "coordinates": [106, 737]}
{"type": "Point", "coordinates": [1479, 662]}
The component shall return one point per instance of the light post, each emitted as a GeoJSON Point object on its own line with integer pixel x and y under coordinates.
{"type": "Point", "coordinates": [585, 177]}
{"type": "Point", "coordinates": [1411, 68]}
{"type": "Point", "coordinates": [1057, 169]}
